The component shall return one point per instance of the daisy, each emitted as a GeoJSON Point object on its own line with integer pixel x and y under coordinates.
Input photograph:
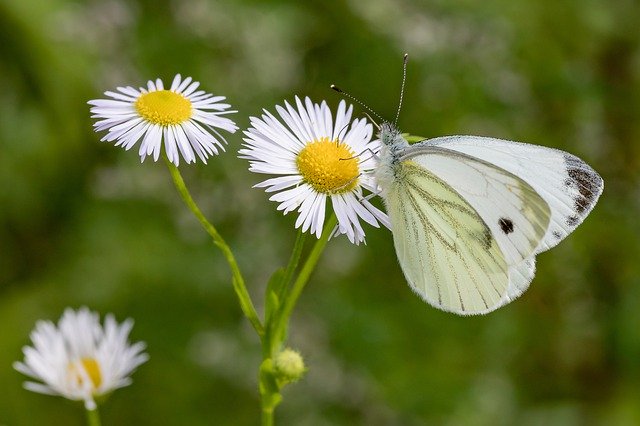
{"type": "Point", "coordinates": [316, 159]}
{"type": "Point", "coordinates": [181, 117]}
{"type": "Point", "coordinates": [80, 359]}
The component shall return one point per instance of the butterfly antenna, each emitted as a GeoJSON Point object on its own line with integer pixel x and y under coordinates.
{"type": "Point", "coordinates": [404, 79]}
{"type": "Point", "coordinates": [356, 100]}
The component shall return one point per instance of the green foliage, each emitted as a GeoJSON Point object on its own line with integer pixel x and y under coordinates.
{"type": "Point", "coordinates": [274, 287]}
{"type": "Point", "coordinates": [83, 223]}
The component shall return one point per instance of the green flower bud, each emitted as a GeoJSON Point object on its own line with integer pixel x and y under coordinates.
{"type": "Point", "coordinates": [289, 366]}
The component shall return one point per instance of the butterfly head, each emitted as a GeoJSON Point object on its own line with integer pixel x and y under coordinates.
{"type": "Point", "coordinates": [388, 133]}
{"type": "Point", "coordinates": [391, 137]}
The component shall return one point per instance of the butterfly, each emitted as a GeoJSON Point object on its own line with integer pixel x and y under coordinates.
{"type": "Point", "coordinates": [469, 214]}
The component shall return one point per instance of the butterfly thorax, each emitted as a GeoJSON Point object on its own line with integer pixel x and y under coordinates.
{"type": "Point", "coordinates": [393, 145]}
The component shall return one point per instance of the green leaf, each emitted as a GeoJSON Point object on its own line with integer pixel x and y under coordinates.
{"type": "Point", "coordinates": [274, 287]}
{"type": "Point", "coordinates": [413, 138]}
{"type": "Point", "coordinates": [272, 305]}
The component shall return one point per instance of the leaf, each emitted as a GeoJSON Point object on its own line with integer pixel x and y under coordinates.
{"type": "Point", "coordinates": [274, 287]}
{"type": "Point", "coordinates": [413, 138]}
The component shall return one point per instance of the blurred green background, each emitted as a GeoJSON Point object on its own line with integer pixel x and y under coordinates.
{"type": "Point", "coordinates": [83, 223]}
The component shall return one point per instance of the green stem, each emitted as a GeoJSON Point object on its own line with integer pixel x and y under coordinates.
{"type": "Point", "coordinates": [267, 416]}
{"type": "Point", "coordinates": [268, 342]}
{"type": "Point", "coordinates": [272, 340]}
{"type": "Point", "coordinates": [291, 297]}
{"type": "Point", "coordinates": [238, 282]}
{"type": "Point", "coordinates": [93, 417]}
{"type": "Point", "coordinates": [293, 263]}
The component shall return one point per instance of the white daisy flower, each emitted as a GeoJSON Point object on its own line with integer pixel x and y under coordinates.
{"type": "Point", "coordinates": [185, 119]}
{"type": "Point", "coordinates": [79, 359]}
{"type": "Point", "coordinates": [316, 159]}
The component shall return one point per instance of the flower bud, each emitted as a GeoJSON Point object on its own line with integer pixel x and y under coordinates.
{"type": "Point", "coordinates": [289, 365]}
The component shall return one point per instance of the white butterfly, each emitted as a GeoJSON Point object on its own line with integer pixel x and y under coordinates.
{"type": "Point", "coordinates": [469, 214]}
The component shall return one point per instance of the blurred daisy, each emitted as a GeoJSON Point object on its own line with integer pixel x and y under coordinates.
{"type": "Point", "coordinates": [183, 118]}
{"type": "Point", "coordinates": [79, 359]}
{"type": "Point", "coordinates": [317, 160]}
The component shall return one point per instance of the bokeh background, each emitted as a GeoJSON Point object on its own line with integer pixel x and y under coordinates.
{"type": "Point", "coordinates": [84, 223]}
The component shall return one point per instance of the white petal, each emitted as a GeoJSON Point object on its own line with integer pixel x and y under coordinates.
{"type": "Point", "coordinates": [176, 82]}
{"type": "Point", "coordinates": [279, 183]}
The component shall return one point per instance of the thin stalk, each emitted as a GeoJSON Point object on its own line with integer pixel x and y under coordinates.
{"type": "Point", "coordinates": [267, 416]}
{"type": "Point", "coordinates": [291, 297]}
{"type": "Point", "coordinates": [272, 340]}
{"type": "Point", "coordinates": [239, 286]}
{"type": "Point", "coordinates": [268, 337]}
{"type": "Point", "coordinates": [293, 263]}
{"type": "Point", "coordinates": [93, 417]}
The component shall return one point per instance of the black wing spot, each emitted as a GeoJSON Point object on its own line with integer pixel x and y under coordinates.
{"type": "Point", "coordinates": [573, 220]}
{"type": "Point", "coordinates": [506, 225]}
{"type": "Point", "coordinates": [587, 182]}
{"type": "Point", "coordinates": [557, 234]}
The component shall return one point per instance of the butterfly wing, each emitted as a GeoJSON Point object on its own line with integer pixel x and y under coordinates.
{"type": "Point", "coordinates": [528, 198]}
{"type": "Point", "coordinates": [446, 250]}
{"type": "Point", "coordinates": [517, 216]}
{"type": "Point", "coordinates": [569, 186]}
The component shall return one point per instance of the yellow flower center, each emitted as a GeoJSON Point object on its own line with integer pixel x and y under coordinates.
{"type": "Point", "coordinates": [90, 367]}
{"type": "Point", "coordinates": [164, 107]}
{"type": "Point", "coordinates": [330, 167]}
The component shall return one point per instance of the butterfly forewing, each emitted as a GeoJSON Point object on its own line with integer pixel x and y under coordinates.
{"type": "Point", "coordinates": [517, 216]}
{"type": "Point", "coordinates": [568, 185]}
{"type": "Point", "coordinates": [445, 248]}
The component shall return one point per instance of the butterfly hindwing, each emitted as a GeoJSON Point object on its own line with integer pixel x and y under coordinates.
{"type": "Point", "coordinates": [446, 250]}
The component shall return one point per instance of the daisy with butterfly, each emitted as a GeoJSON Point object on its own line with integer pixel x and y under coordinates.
{"type": "Point", "coordinates": [468, 214]}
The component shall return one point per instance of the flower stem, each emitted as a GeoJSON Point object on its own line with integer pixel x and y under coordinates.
{"type": "Point", "coordinates": [93, 417]}
{"type": "Point", "coordinates": [291, 296]}
{"type": "Point", "coordinates": [267, 416]}
{"type": "Point", "coordinates": [238, 282]}
{"type": "Point", "coordinates": [293, 263]}
{"type": "Point", "coordinates": [277, 324]}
